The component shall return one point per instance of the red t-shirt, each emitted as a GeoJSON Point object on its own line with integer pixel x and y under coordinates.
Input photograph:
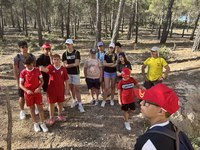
{"type": "Point", "coordinates": [30, 78]}
{"type": "Point", "coordinates": [57, 77]}
{"type": "Point", "coordinates": [126, 88]}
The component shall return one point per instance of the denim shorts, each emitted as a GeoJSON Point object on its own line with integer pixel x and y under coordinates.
{"type": "Point", "coordinates": [109, 75]}
{"type": "Point", "coordinates": [74, 79]}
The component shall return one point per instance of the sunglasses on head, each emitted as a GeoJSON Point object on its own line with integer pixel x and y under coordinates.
{"type": "Point", "coordinates": [25, 46]}
{"type": "Point", "coordinates": [147, 103]}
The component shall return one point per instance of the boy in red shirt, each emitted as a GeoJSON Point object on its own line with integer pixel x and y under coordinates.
{"type": "Point", "coordinates": [31, 82]}
{"type": "Point", "coordinates": [126, 95]}
{"type": "Point", "coordinates": [56, 87]}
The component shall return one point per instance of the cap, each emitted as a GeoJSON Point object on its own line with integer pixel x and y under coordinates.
{"type": "Point", "coordinates": [118, 44]}
{"type": "Point", "coordinates": [112, 45]}
{"type": "Point", "coordinates": [69, 41]}
{"type": "Point", "coordinates": [93, 51]}
{"type": "Point", "coordinates": [122, 54]}
{"type": "Point", "coordinates": [161, 95]}
{"type": "Point", "coordinates": [46, 45]}
{"type": "Point", "coordinates": [100, 44]}
{"type": "Point", "coordinates": [155, 48]}
{"type": "Point", "coordinates": [126, 72]}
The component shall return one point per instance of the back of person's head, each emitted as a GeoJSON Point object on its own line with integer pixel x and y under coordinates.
{"type": "Point", "coordinates": [22, 43]}
{"type": "Point", "coordinates": [28, 60]}
{"type": "Point", "coordinates": [161, 95]}
{"type": "Point", "coordinates": [56, 56]}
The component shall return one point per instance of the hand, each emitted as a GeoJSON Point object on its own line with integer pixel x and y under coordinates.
{"type": "Point", "coordinates": [29, 92]}
{"type": "Point", "coordinates": [119, 102]}
{"type": "Point", "coordinates": [160, 79]}
{"type": "Point", "coordinates": [38, 90]}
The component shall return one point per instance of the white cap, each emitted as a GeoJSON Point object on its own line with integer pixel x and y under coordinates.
{"type": "Point", "coordinates": [155, 48]}
{"type": "Point", "coordinates": [69, 41]}
{"type": "Point", "coordinates": [112, 45]}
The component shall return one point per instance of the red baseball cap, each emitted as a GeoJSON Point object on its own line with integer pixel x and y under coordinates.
{"type": "Point", "coordinates": [126, 72]}
{"type": "Point", "coordinates": [161, 95]}
{"type": "Point", "coordinates": [46, 45]}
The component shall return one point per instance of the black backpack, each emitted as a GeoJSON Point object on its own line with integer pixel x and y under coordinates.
{"type": "Point", "coordinates": [182, 141]}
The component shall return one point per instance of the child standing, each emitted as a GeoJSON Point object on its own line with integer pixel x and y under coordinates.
{"type": "Point", "coordinates": [93, 75]}
{"type": "Point", "coordinates": [31, 82]}
{"type": "Point", "coordinates": [56, 88]}
{"type": "Point", "coordinates": [126, 94]}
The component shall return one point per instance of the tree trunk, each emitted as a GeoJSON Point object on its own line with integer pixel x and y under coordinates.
{"type": "Point", "coordinates": [38, 15]}
{"type": "Point", "coordinates": [67, 20]}
{"type": "Point", "coordinates": [171, 31]}
{"type": "Point", "coordinates": [105, 23]}
{"type": "Point", "coordinates": [12, 18]}
{"type": "Point", "coordinates": [118, 21]}
{"type": "Point", "coordinates": [167, 22]}
{"type": "Point", "coordinates": [136, 21]}
{"type": "Point", "coordinates": [62, 24]}
{"type": "Point", "coordinates": [196, 45]}
{"type": "Point", "coordinates": [1, 22]}
{"type": "Point", "coordinates": [131, 20]}
{"type": "Point", "coordinates": [112, 18]}
{"type": "Point", "coordinates": [75, 27]}
{"type": "Point", "coordinates": [122, 30]}
{"type": "Point", "coordinates": [195, 26]}
{"type": "Point", "coordinates": [25, 19]}
{"type": "Point", "coordinates": [98, 23]}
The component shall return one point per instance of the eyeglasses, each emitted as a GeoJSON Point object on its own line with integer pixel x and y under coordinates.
{"type": "Point", "coordinates": [24, 46]}
{"type": "Point", "coordinates": [146, 103]}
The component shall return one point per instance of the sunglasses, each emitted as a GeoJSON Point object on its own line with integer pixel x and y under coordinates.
{"type": "Point", "coordinates": [146, 103]}
{"type": "Point", "coordinates": [24, 46]}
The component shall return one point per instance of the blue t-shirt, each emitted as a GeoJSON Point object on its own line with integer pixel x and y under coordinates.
{"type": "Point", "coordinates": [100, 56]}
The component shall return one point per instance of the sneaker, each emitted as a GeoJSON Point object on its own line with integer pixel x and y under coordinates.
{"type": "Point", "coordinates": [61, 118]}
{"type": "Point", "coordinates": [22, 115]}
{"type": "Point", "coordinates": [96, 103]}
{"type": "Point", "coordinates": [92, 101]}
{"type": "Point", "coordinates": [81, 109]}
{"type": "Point", "coordinates": [36, 110]}
{"type": "Point", "coordinates": [51, 121]}
{"type": "Point", "coordinates": [74, 103]}
{"type": "Point", "coordinates": [127, 125]}
{"type": "Point", "coordinates": [103, 103]}
{"type": "Point", "coordinates": [37, 127]}
{"type": "Point", "coordinates": [44, 127]}
{"type": "Point", "coordinates": [112, 103]}
{"type": "Point", "coordinates": [63, 109]}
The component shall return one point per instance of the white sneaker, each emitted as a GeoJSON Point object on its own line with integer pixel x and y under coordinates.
{"type": "Point", "coordinates": [44, 127]}
{"type": "Point", "coordinates": [22, 115]}
{"type": "Point", "coordinates": [103, 103]}
{"type": "Point", "coordinates": [36, 110]}
{"type": "Point", "coordinates": [81, 109]}
{"type": "Point", "coordinates": [74, 103]}
{"type": "Point", "coordinates": [37, 127]}
{"type": "Point", "coordinates": [96, 102]}
{"type": "Point", "coordinates": [63, 109]}
{"type": "Point", "coordinates": [112, 103]}
{"type": "Point", "coordinates": [127, 125]}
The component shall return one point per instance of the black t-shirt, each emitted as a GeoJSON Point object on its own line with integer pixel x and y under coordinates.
{"type": "Point", "coordinates": [121, 66]}
{"type": "Point", "coordinates": [70, 58]}
{"type": "Point", "coordinates": [110, 58]}
{"type": "Point", "coordinates": [159, 141]}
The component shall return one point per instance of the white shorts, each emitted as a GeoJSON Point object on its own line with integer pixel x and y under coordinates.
{"type": "Point", "coordinates": [74, 79]}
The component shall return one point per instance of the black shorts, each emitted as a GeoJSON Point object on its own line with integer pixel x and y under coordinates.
{"type": "Point", "coordinates": [21, 93]}
{"type": "Point", "coordinates": [126, 107]}
{"type": "Point", "coordinates": [46, 81]}
{"type": "Point", "coordinates": [149, 84]}
{"type": "Point", "coordinates": [93, 83]}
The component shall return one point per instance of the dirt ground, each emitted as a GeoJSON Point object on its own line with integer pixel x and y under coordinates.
{"type": "Point", "coordinates": [98, 128]}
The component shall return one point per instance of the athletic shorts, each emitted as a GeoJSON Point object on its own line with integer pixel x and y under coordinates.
{"type": "Point", "coordinates": [56, 99]}
{"type": "Point", "coordinates": [74, 79]}
{"type": "Point", "coordinates": [109, 75]}
{"type": "Point", "coordinates": [21, 93]}
{"type": "Point", "coordinates": [93, 83]}
{"type": "Point", "coordinates": [32, 99]}
{"type": "Point", "coordinates": [126, 107]}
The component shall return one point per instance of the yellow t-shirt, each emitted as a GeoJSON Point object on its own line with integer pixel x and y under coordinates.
{"type": "Point", "coordinates": [155, 67]}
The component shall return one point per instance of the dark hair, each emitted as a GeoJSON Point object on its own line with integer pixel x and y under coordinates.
{"type": "Point", "coordinates": [124, 56]}
{"type": "Point", "coordinates": [56, 56]}
{"type": "Point", "coordinates": [118, 44]}
{"type": "Point", "coordinates": [29, 60]}
{"type": "Point", "coordinates": [22, 43]}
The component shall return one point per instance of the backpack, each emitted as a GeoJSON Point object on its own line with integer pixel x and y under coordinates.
{"type": "Point", "coordinates": [182, 141]}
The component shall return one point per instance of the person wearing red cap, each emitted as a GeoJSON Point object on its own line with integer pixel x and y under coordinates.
{"type": "Point", "coordinates": [126, 95]}
{"type": "Point", "coordinates": [157, 105]}
{"type": "Point", "coordinates": [44, 60]}
{"type": "Point", "coordinates": [155, 66]}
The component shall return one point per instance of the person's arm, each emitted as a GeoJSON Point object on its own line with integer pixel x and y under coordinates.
{"type": "Point", "coordinates": [143, 71]}
{"type": "Point", "coordinates": [167, 70]}
{"type": "Point", "coordinates": [21, 85]}
{"type": "Point", "coordinates": [38, 89]}
{"type": "Point", "coordinates": [85, 70]}
{"type": "Point", "coordinates": [119, 96]}
{"type": "Point", "coordinates": [67, 88]}
{"type": "Point", "coordinates": [15, 72]}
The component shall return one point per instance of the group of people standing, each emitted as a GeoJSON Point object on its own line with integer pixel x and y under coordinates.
{"type": "Point", "coordinates": [104, 71]}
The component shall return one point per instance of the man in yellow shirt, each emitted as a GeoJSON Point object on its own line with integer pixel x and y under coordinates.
{"type": "Point", "coordinates": [155, 66]}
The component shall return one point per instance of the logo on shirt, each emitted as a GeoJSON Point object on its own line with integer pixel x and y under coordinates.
{"type": "Point", "coordinates": [71, 57]}
{"type": "Point", "coordinates": [128, 86]}
{"type": "Point", "coordinates": [141, 94]}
